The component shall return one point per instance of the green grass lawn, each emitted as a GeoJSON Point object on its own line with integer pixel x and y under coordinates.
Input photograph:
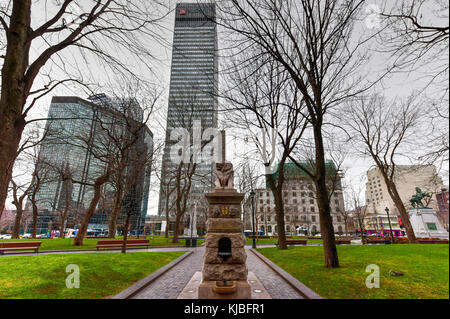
{"type": "Point", "coordinates": [273, 241]}
{"type": "Point", "coordinates": [425, 268]}
{"type": "Point", "coordinates": [102, 275]}
{"type": "Point", "coordinates": [90, 243]}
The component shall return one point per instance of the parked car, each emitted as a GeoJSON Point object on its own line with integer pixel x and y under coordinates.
{"type": "Point", "coordinates": [26, 236]}
{"type": "Point", "coordinates": [5, 236]}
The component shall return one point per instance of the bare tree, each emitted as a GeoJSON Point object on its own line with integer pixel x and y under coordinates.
{"type": "Point", "coordinates": [139, 161]}
{"type": "Point", "coordinates": [386, 131]}
{"type": "Point", "coordinates": [247, 177]}
{"type": "Point", "coordinates": [416, 34]}
{"type": "Point", "coordinates": [355, 207]}
{"type": "Point", "coordinates": [18, 201]}
{"type": "Point", "coordinates": [315, 43]}
{"type": "Point", "coordinates": [264, 101]}
{"type": "Point", "coordinates": [187, 147]}
{"type": "Point", "coordinates": [93, 30]}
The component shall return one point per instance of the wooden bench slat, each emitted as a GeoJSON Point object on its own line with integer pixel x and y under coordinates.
{"type": "Point", "coordinates": [295, 242]}
{"type": "Point", "coordinates": [119, 243]}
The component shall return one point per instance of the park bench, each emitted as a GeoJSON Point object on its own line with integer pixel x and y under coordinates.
{"type": "Point", "coordinates": [432, 241]}
{"type": "Point", "coordinates": [401, 240]}
{"type": "Point", "coordinates": [118, 243]}
{"type": "Point", "coordinates": [18, 246]}
{"type": "Point", "coordinates": [342, 241]}
{"type": "Point", "coordinates": [377, 241]}
{"type": "Point", "coordinates": [295, 242]}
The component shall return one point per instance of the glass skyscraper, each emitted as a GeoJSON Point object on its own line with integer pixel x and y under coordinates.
{"type": "Point", "coordinates": [74, 140]}
{"type": "Point", "coordinates": [193, 89]}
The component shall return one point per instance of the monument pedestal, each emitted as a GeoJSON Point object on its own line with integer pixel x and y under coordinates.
{"type": "Point", "coordinates": [426, 224]}
{"type": "Point", "coordinates": [208, 290]}
{"type": "Point", "coordinates": [224, 267]}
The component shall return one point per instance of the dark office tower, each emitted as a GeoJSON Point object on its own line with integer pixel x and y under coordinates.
{"type": "Point", "coordinates": [193, 89]}
{"type": "Point", "coordinates": [79, 136]}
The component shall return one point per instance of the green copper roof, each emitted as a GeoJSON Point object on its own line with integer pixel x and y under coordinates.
{"type": "Point", "coordinates": [291, 170]}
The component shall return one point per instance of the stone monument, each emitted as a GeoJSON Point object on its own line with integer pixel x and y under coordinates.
{"type": "Point", "coordinates": [224, 274]}
{"type": "Point", "coordinates": [423, 219]}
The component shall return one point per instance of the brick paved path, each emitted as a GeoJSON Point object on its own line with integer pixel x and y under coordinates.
{"type": "Point", "coordinates": [171, 284]}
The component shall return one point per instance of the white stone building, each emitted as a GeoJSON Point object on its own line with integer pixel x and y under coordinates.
{"type": "Point", "coordinates": [406, 179]}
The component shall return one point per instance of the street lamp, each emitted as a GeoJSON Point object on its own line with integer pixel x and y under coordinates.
{"type": "Point", "coordinates": [390, 227]}
{"type": "Point", "coordinates": [252, 196]}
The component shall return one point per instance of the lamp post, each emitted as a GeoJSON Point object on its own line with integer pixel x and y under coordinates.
{"type": "Point", "coordinates": [390, 227]}
{"type": "Point", "coordinates": [252, 196]}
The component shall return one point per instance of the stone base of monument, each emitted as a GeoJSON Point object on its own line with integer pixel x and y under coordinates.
{"type": "Point", "coordinates": [251, 289]}
{"type": "Point", "coordinates": [426, 224]}
{"type": "Point", "coordinates": [215, 290]}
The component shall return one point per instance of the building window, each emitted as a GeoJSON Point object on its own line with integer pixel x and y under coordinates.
{"type": "Point", "coordinates": [313, 218]}
{"type": "Point", "coordinates": [312, 209]}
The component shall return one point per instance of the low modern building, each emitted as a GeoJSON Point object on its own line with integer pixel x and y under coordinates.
{"type": "Point", "coordinates": [301, 210]}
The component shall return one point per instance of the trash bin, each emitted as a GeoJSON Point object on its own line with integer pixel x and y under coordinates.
{"type": "Point", "coordinates": [188, 242]}
{"type": "Point", "coordinates": [194, 242]}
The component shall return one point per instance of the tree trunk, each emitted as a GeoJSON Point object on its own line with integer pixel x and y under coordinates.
{"type": "Point", "coordinates": [346, 226]}
{"type": "Point", "coordinates": [279, 209]}
{"type": "Point", "coordinates": [91, 210]}
{"type": "Point", "coordinates": [12, 97]}
{"type": "Point", "coordinates": [277, 190]}
{"type": "Point", "coordinates": [62, 228]}
{"type": "Point", "coordinates": [112, 227]}
{"type": "Point", "coordinates": [117, 208]}
{"type": "Point", "coordinates": [323, 202]}
{"type": "Point", "coordinates": [176, 230]}
{"type": "Point", "coordinates": [17, 222]}
{"type": "Point", "coordinates": [392, 189]}
{"type": "Point", "coordinates": [125, 234]}
{"type": "Point", "coordinates": [35, 217]}
{"type": "Point", "coordinates": [166, 231]}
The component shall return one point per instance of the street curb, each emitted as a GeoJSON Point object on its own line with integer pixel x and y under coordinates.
{"type": "Point", "coordinates": [143, 283]}
{"type": "Point", "coordinates": [108, 249]}
{"type": "Point", "coordinates": [305, 291]}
